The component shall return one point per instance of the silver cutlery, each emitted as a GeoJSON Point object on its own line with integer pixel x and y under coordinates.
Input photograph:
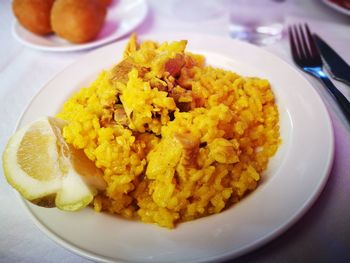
{"type": "Point", "coordinates": [307, 57]}
{"type": "Point", "coordinates": [338, 68]}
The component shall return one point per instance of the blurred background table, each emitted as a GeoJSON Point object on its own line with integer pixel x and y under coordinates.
{"type": "Point", "coordinates": [321, 235]}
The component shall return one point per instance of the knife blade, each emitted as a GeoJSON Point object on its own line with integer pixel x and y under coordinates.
{"type": "Point", "coordinates": [338, 68]}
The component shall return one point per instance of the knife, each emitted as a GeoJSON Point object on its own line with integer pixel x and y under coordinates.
{"type": "Point", "coordinates": [338, 68]}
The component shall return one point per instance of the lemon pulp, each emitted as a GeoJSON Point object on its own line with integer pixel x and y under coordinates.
{"type": "Point", "coordinates": [41, 164]}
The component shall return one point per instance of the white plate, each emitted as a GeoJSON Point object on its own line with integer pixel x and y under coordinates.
{"type": "Point", "coordinates": [337, 7]}
{"type": "Point", "coordinates": [294, 179]}
{"type": "Point", "coordinates": [122, 18]}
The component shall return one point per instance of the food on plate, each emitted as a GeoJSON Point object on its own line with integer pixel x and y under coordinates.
{"type": "Point", "coordinates": [78, 21]}
{"type": "Point", "coordinates": [160, 137]}
{"type": "Point", "coordinates": [342, 3]}
{"type": "Point", "coordinates": [41, 166]}
{"type": "Point", "coordinates": [105, 2]}
{"type": "Point", "coordinates": [34, 15]}
{"type": "Point", "coordinates": [176, 139]}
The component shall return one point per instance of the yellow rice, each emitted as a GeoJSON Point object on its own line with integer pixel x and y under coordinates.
{"type": "Point", "coordinates": [176, 139]}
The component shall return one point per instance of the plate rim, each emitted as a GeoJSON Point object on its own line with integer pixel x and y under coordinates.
{"type": "Point", "coordinates": [229, 255]}
{"type": "Point", "coordinates": [78, 47]}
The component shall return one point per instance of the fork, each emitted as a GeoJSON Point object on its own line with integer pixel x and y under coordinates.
{"type": "Point", "coordinates": [307, 57]}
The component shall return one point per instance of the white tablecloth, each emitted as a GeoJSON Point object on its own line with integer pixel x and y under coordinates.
{"type": "Point", "coordinates": [322, 235]}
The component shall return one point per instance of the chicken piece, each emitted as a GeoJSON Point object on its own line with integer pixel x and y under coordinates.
{"type": "Point", "coordinates": [182, 98]}
{"type": "Point", "coordinates": [107, 117]}
{"type": "Point", "coordinates": [121, 70]}
{"type": "Point", "coordinates": [159, 84]}
{"type": "Point", "coordinates": [190, 145]}
{"type": "Point", "coordinates": [120, 116]}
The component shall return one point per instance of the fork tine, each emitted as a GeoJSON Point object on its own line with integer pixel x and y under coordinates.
{"type": "Point", "coordinates": [309, 41]}
{"type": "Point", "coordinates": [302, 41]}
{"type": "Point", "coordinates": [312, 44]}
{"type": "Point", "coordinates": [293, 43]}
{"type": "Point", "coordinates": [298, 41]}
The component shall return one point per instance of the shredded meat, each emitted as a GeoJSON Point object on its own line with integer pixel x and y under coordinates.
{"type": "Point", "coordinates": [182, 98]}
{"type": "Point", "coordinates": [120, 116]}
{"type": "Point", "coordinates": [184, 106]}
{"type": "Point", "coordinates": [107, 117]}
{"type": "Point", "coordinates": [174, 65]}
{"type": "Point", "coordinates": [190, 145]}
{"type": "Point", "coordinates": [121, 70]}
{"type": "Point", "coordinates": [158, 84]}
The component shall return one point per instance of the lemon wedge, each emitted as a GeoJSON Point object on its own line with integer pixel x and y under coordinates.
{"type": "Point", "coordinates": [47, 171]}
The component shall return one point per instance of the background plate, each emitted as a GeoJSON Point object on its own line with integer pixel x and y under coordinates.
{"type": "Point", "coordinates": [294, 179]}
{"type": "Point", "coordinates": [122, 18]}
{"type": "Point", "coordinates": [337, 7]}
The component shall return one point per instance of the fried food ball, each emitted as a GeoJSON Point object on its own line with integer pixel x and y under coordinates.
{"type": "Point", "coordinates": [105, 2]}
{"type": "Point", "coordinates": [78, 21]}
{"type": "Point", "coordinates": [34, 15]}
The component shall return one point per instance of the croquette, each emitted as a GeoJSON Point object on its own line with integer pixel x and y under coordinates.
{"type": "Point", "coordinates": [34, 15]}
{"type": "Point", "coordinates": [77, 21]}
